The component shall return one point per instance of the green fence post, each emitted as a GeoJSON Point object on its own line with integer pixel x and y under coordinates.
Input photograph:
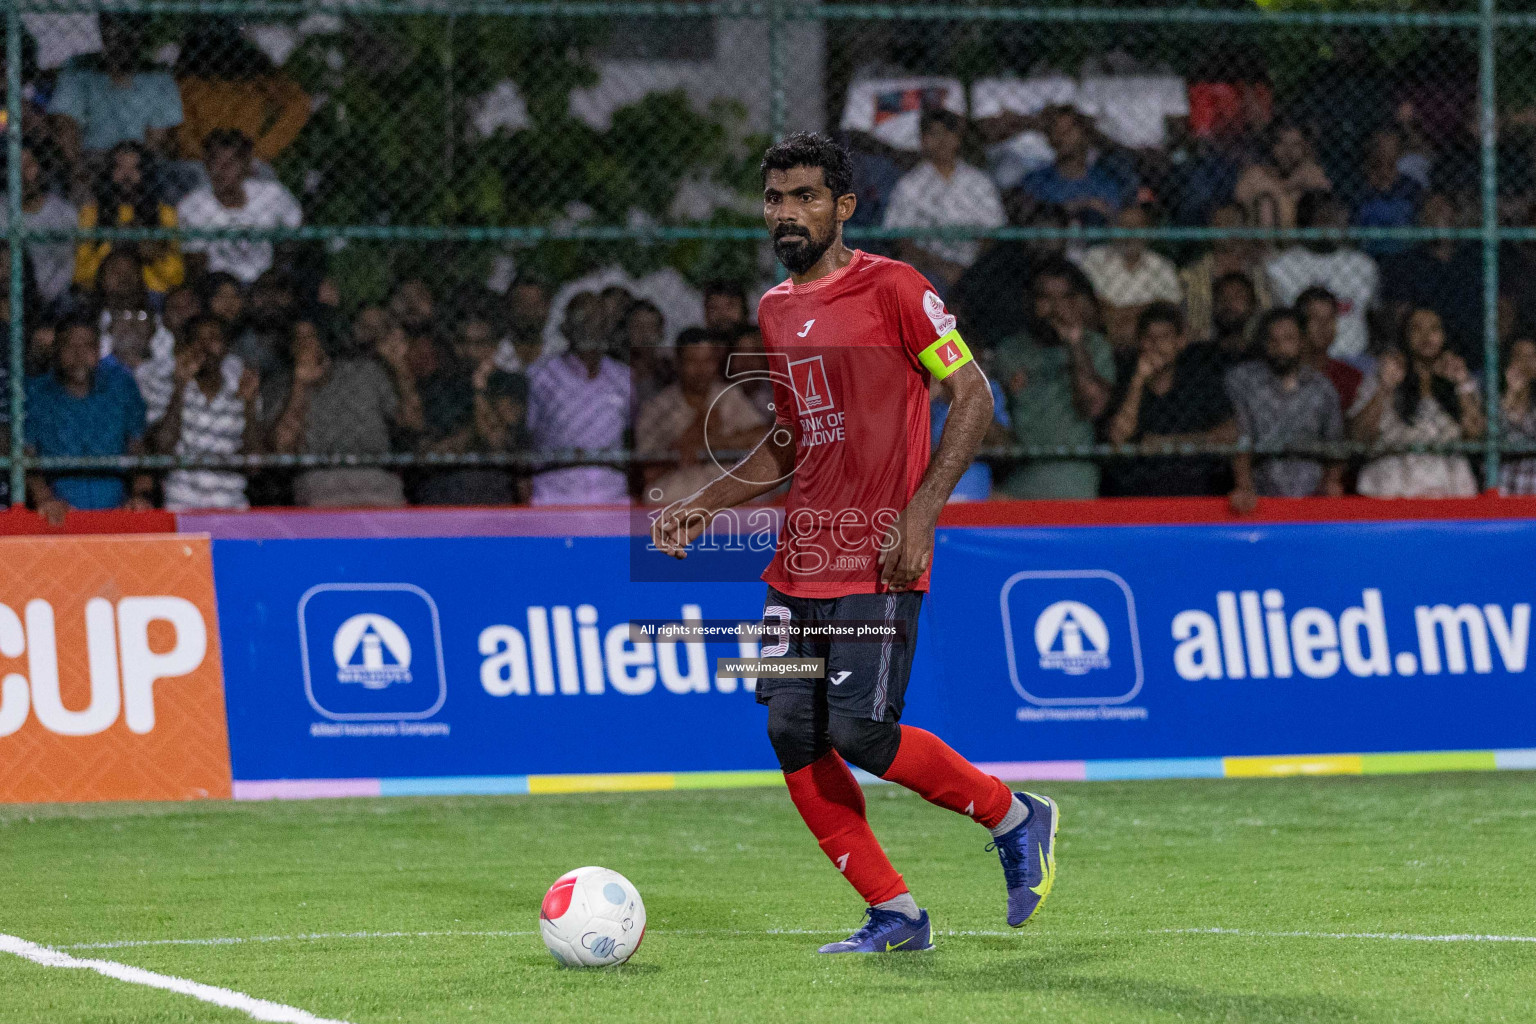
{"type": "Point", "coordinates": [1489, 145]}
{"type": "Point", "coordinates": [14, 230]}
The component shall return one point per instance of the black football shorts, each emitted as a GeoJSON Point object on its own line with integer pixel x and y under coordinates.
{"type": "Point", "coordinates": [866, 678]}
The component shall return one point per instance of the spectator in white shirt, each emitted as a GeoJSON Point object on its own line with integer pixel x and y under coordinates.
{"type": "Point", "coordinates": [1421, 394]}
{"type": "Point", "coordinates": [1128, 277]}
{"type": "Point", "coordinates": [1348, 273]}
{"type": "Point", "coordinates": [943, 191]}
{"type": "Point", "coordinates": [234, 199]}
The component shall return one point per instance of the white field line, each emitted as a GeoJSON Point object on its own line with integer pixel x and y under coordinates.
{"type": "Point", "coordinates": [1394, 936]}
{"type": "Point", "coordinates": [235, 940]}
{"type": "Point", "coordinates": [257, 1009]}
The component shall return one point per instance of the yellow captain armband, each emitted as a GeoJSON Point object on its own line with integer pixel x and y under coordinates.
{"type": "Point", "coordinates": [946, 355]}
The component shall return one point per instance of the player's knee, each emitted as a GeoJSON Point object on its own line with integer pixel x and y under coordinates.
{"type": "Point", "coordinates": [792, 731]}
{"type": "Point", "coordinates": [865, 744]}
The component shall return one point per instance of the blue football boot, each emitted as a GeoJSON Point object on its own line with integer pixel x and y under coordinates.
{"type": "Point", "coordinates": [886, 931]}
{"type": "Point", "coordinates": [1028, 854]}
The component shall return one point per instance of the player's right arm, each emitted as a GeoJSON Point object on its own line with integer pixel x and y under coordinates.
{"type": "Point", "coordinates": [764, 468]}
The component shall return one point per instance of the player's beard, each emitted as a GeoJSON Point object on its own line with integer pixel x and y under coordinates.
{"type": "Point", "coordinates": [799, 256]}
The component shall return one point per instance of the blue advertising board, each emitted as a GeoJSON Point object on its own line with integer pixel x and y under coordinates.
{"type": "Point", "coordinates": [487, 656]}
{"type": "Point", "coordinates": [474, 656]}
{"type": "Point", "coordinates": [1212, 641]}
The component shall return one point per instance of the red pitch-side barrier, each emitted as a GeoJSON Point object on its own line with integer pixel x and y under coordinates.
{"type": "Point", "coordinates": [16, 522]}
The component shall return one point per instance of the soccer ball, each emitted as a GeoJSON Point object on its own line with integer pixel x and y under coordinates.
{"type": "Point", "coordinates": [592, 917]}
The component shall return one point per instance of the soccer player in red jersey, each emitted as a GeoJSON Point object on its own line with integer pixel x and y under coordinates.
{"type": "Point", "coordinates": [853, 340]}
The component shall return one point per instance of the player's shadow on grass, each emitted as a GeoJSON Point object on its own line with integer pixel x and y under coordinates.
{"type": "Point", "coordinates": [1014, 969]}
{"type": "Point", "coordinates": [626, 970]}
{"type": "Point", "coordinates": [636, 970]}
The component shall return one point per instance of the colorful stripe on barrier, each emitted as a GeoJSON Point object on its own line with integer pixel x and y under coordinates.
{"type": "Point", "coordinates": [1071, 771]}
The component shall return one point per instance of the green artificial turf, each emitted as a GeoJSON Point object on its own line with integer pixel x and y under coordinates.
{"type": "Point", "coordinates": [725, 874]}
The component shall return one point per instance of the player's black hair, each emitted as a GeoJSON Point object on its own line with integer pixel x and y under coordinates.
{"type": "Point", "coordinates": [811, 149]}
{"type": "Point", "coordinates": [1160, 313]}
{"type": "Point", "coordinates": [1238, 277]}
{"type": "Point", "coordinates": [1316, 293]}
{"type": "Point", "coordinates": [1269, 318]}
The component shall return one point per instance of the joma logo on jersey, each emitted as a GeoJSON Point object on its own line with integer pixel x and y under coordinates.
{"type": "Point", "coordinates": [812, 393]}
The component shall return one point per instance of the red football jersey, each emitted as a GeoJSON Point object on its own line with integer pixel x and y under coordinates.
{"type": "Point", "coordinates": [843, 351]}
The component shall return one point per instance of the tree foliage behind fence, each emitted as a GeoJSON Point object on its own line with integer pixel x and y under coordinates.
{"type": "Point", "coordinates": [468, 143]}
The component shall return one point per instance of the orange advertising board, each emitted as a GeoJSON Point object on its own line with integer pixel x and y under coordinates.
{"type": "Point", "coordinates": [111, 680]}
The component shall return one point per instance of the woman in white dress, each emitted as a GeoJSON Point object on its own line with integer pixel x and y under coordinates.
{"type": "Point", "coordinates": [1422, 394]}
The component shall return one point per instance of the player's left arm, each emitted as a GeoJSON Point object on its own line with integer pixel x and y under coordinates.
{"type": "Point", "coordinates": [908, 549]}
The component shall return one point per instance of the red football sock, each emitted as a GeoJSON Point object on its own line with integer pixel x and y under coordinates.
{"type": "Point", "coordinates": [832, 804]}
{"type": "Point", "coordinates": [932, 769]}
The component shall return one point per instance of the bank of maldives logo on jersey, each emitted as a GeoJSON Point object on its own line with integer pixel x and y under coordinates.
{"type": "Point", "coordinates": [1071, 637]}
{"type": "Point", "coordinates": [812, 393]}
{"type": "Point", "coordinates": [372, 651]}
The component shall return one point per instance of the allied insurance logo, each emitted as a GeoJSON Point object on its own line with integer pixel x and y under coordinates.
{"type": "Point", "coordinates": [1071, 637]}
{"type": "Point", "coordinates": [372, 651]}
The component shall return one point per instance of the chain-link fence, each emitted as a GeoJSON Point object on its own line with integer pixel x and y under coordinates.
{"type": "Point", "coordinates": [455, 252]}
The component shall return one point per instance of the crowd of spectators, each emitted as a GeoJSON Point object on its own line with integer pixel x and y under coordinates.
{"type": "Point", "coordinates": [1292, 345]}
{"type": "Point", "coordinates": [214, 347]}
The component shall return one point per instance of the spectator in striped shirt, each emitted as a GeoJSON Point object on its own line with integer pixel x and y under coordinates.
{"type": "Point", "coordinates": [211, 409]}
{"type": "Point", "coordinates": [580, 400]}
